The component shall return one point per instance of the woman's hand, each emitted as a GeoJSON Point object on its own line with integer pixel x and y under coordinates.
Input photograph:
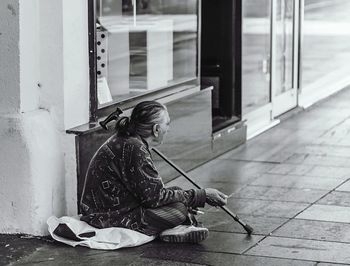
{"type": "Point", "coordinates": [215, 197]}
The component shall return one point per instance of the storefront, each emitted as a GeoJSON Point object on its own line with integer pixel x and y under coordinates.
{"type": "Point", "coordinates": [226, 70]}
{"type": "Point", "coordinates": [294, 54]}
{"type": "Point", "coordinates": [166, 51]}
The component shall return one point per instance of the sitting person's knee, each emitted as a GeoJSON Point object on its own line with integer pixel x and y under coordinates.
{"type": "Point", "coordinates": [167, 216]}
{"type": "Point", "coordinates": [181, 207]}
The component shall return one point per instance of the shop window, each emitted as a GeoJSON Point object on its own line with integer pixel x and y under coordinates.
{"type": "Point", "coordinates": [140, 47]}
{"type": "Point", "coordinates": [325, 51]}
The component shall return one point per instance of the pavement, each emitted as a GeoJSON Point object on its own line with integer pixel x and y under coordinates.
{"type": "Point", "coordinates": [291, 184]}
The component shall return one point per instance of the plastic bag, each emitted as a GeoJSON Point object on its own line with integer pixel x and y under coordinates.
{"type": "Point", "coordinates": [80, 233]}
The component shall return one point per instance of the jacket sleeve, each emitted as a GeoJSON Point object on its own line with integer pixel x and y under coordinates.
{"type": "Point", "coordinates": [145, 183]}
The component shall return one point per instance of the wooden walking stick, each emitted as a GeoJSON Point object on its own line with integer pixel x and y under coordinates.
{"type": "Point", "coordinates": [246, 227]}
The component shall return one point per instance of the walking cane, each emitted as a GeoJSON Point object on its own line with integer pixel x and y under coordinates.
{"type": "Point", "coordinates": [246, 227]}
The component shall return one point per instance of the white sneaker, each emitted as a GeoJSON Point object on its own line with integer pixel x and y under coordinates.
{"type": "Point", "coordinates": [184, 234]}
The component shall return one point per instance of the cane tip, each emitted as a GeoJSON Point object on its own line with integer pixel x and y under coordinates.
{"type": "Point", "coordinates": [249, 229]}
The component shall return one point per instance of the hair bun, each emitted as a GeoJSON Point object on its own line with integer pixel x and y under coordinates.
{"type": "Point", "coordinates": [122, 125]}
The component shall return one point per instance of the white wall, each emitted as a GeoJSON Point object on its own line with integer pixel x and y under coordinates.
{"type": "Point", "coordinates": [29, 54]}
{"type": "Point", "coordinates": [44, 90]}
{"type": "Point", "coordinates": [76, 63]}
{"type": "Point", "coordinates": [76, 87]}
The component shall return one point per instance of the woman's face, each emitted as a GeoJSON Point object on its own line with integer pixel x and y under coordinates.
{"type": "Point", "coordinates": [163, 127]}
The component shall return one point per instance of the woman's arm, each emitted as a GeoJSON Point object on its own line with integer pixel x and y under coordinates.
{"type": "Point", "coordinates": [143, 180]}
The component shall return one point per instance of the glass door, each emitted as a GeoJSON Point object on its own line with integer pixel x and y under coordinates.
{"type": "Point", "coordinates": [284, 56]}
{"type": "Point", "coordinates": [256, 65]}
{"type": "Point", "coordinates": [256, 44]}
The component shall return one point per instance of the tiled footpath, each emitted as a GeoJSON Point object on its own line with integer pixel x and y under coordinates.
{"type": "Point", "coordinates": [292, 184]}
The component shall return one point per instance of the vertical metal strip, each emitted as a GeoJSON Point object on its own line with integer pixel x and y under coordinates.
{"type": "Point", "coordinates": [238, 63]}
{"type": "Point", "coordinates": [300, 43]}
{"type": "Point", "coordinates": [296, 38]}
{"type": "Point", "coordinates": [92, 59]}
{"type": "Point", "coordinates": [273, 50]}
{"type": "Point", "coordinates": [199, 40]}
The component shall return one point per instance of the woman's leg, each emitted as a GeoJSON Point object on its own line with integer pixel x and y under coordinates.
{"type": "Point", "coordinates": [165, 217]}
{"type": "Point", "coordinates": [168, 222]}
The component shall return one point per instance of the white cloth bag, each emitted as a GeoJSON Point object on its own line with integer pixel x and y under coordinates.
{"type": "Point", "coordinates": [106, 239]}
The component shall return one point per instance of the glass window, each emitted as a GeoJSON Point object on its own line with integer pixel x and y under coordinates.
{"type": "Point", "coordinates": [143, 46]}
{"type": "Point", "coordinates": [326, 43]}
{"type": "Point", "coordinates": [284, 46]}
{"type": "Point", "coordinates": [256, 40]}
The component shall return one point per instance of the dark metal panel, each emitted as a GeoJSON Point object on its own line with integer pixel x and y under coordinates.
{"type": "Point", "coordinates": [237, 58]}
{"type": "Point", "coordinates": [221, 53]}
{"type": "Point", "coordinates": [87, 145]}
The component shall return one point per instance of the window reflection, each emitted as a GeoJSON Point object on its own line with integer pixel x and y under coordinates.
{"type": "Point", "coordinates": [144, 45]}
{"type": "Point", "coordinates": [326, 38]}
{"type": "Point", "coordinates": [256, 54]}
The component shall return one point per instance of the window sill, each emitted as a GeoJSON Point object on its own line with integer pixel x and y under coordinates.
{"type": "Point", "coordinates": [164, 97]}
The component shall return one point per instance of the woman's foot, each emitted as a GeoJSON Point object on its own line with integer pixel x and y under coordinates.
{"type": "Point", "coordinates": [184, 234]}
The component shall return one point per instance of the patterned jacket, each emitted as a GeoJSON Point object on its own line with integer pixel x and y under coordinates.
{"type": "Point", "coordinates": [122, 181]}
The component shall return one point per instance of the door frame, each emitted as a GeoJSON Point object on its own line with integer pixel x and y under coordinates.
{"type": "Point", "coordinates": [289, 99]}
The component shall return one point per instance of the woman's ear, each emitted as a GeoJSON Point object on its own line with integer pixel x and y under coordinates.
{"type": "Point", "coordinates": [155, 130]}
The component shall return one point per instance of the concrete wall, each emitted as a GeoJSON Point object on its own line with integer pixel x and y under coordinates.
{"type": "Point", "coordinates": [9, 52]}
{"type": "Point", "coordinates": [44, 89]}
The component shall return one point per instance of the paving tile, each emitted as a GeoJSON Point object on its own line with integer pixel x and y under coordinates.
{"type": "Point", "coordinates": [333, 141]}
{"type": "Point", "coordinates": [261, 225]}
{"type": "Point", "coordinates": [329, 264]}
{"type": "Point", "coordinates": [310, 122]}
{"type": "Point", "coordinates": [65, 255]}
{"type": "Point", "coordinates": [285, 136]}
{"type": "Point", "coordinates": [264, 208]}
{"type": "Point", "coordinates": [216, 242]}
{"type": "Point", "coordinates": [302, 158]}
{"type": "Point", "coordinates": [279, 193]}
{"type": "Point", "coordinates": [303, 249]}
{"type": "Point", "coordinates": [292, 169]}
{"type": "Point", "coordinates": [15, 247]}
{"type": "Point", "coordinates": [160, 262]}
{"type": "Point", "coordinates": [264, 152]}
{"type": "Point", "coordinates": [311, 170]}
{"type": "Point", "coordinates": [326, 213]}
{"type": "Point", "coordinates": [329, 171]}
{"type": "Point", "coordinates": [344, 187]}
{"type": "Point", "coordinates": [228, 242]}
{"type": "Point", "coordinates": [293, 181]}
{"type": "Point", "coordinates": [338, 198]}
{"type": "Point", "coordinates": [339, 131]}
{"type": "Point", "coordinates": [316, 230]}
{"type": "Point", "coordinates": [229, 171]}
{"type": "Point", "coordinates": [186, 254]}
{"type": "Point", "coordinates": [324, 150]}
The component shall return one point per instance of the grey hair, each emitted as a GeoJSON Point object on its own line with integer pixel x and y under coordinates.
{"type": "Point", "coordinates": [142, 119]}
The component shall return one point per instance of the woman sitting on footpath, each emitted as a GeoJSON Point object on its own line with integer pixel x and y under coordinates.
{"type": "Point", "coordinates": [123, 188]}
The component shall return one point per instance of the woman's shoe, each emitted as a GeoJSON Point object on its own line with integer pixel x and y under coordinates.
{"type": "Point", "coordinates": [184, 234]}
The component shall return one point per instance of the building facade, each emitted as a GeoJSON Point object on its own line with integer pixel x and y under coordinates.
{"type": "Point", "coordinates": [226, 70]}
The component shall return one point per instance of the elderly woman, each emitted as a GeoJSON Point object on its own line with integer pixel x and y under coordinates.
{"type": "Point", "coordinates": [123, 188]}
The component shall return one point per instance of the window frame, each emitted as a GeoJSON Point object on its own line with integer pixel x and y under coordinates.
{"type": "Point", "coordinates": [95, 111]}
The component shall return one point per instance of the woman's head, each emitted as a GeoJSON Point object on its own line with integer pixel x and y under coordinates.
{"type": "Point", "coordinates": [149, 119]}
